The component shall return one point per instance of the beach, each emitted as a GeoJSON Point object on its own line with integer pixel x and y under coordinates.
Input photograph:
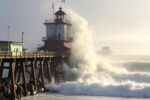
{"type": "Point", "coordinates": [49, 96]}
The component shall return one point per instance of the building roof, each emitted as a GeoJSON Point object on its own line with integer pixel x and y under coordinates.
{"type": "Point", "coordinates": [60, 12]}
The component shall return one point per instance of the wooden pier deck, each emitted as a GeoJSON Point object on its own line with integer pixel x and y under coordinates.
{"type": "Point", "coordinates": [36, 68]}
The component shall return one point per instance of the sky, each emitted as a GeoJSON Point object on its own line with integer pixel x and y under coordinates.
{"type": "Point", "coordinates": [123, 25]}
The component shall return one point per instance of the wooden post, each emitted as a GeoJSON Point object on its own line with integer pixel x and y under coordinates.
{"type": "Point", "coordinates": [1, 69]}
{"type": "Point", "coordinates": [59, 70]}
{"type": "Point", "coordinates": [19, 71]}
{"type": "Point", "coordinates": [37, 64]}
{"type": "Point", "coordinates": [12, 80]}
{"type": "Point", "coordinates": [16, 69]}
{"type": "Point", "coordinates": [63, 74]}
{"type": "Point", "coordinates": [52, 67]}
{"type": "Point", "coordinates": [49, 70]}
{"type": "Point", "coordinates": [0, 62]}
{"type": "Point", "coordinates": [42, 73]}
{"type": "Point", "coordinates": [24, 79]}
{"type": "Point", "coordinates": [33, 74]}
{"type": "Point", "coordinates": [9, 71]}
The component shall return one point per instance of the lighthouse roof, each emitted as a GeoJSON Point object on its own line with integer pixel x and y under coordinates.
{"type": "Point", "coordinates": [60, 12]}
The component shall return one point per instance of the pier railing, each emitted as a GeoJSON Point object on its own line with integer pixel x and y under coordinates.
{"type": "Point", "coordinates": [26, 54]}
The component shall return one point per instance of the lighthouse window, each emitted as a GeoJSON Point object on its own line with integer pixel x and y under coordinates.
{"type": "Point", "coordinates": [59, 36]}
{"type": "Point", "coordinates": [59, 17]}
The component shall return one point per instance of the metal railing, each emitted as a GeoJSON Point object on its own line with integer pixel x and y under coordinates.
{"type": "Point", "coordinates": [26, 54]}
{"type": "Point", "coordinates": [49, 21]}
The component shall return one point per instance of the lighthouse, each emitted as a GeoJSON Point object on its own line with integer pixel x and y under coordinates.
{"type": "Point", "coordinates": [57, 33]}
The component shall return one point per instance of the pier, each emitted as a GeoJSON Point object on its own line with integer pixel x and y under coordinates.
{"type": "Point", "coordinates": [29, 72]}
{"type": "Point", "coordinates": [36, 68]}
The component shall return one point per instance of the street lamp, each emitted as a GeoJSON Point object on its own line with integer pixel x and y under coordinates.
{"type": "Point", "coordinates": [8, 29]}
{"type": "Point", "coordinates": [22, 39]}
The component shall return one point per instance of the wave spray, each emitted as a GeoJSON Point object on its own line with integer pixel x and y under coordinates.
{"type": "Point", "coordinates": [93, 74]}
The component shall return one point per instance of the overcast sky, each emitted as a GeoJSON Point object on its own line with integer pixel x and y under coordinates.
{"type": "Point", "coordinates": [124, 25]}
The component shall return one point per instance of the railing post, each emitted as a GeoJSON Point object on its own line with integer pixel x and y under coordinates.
{"type": "Point", "coordinates": [36, 54]}
{"type": "Point", "coordinates": [33, 54]}
{"type": "Point", "coordinates": [20, 54]}
{"type": "Point", "coordinates": [16, 53]}
{"type": "Point", "coordinates": [11, 54]}
{"type": "Point", "coordinates": [24, 54]}
{"type": "Point", "coordinates": [5, 55]}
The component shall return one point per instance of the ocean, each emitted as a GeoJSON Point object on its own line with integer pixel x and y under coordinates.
{"type": "Point", "coordinates": [134, 84]}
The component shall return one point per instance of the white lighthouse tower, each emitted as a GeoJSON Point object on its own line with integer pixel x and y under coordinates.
{"type": "Point", "coordinates": [57, 33]}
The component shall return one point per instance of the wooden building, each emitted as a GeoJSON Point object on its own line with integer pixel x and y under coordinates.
{"type": "Point", "coordinates": [11, 46]}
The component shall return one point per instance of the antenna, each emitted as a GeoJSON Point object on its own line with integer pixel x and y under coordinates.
{"type": "Point", "coordinates": [53, 8]}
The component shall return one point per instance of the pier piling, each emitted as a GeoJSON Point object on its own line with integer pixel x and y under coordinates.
{"type": "Point", "coordinates": [24, 78]}
{"type": "Point", "coordinates": [35, 67]}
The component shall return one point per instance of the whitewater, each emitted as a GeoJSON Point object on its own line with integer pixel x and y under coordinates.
{"type": "Point", "coordinates": [92, 75]}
